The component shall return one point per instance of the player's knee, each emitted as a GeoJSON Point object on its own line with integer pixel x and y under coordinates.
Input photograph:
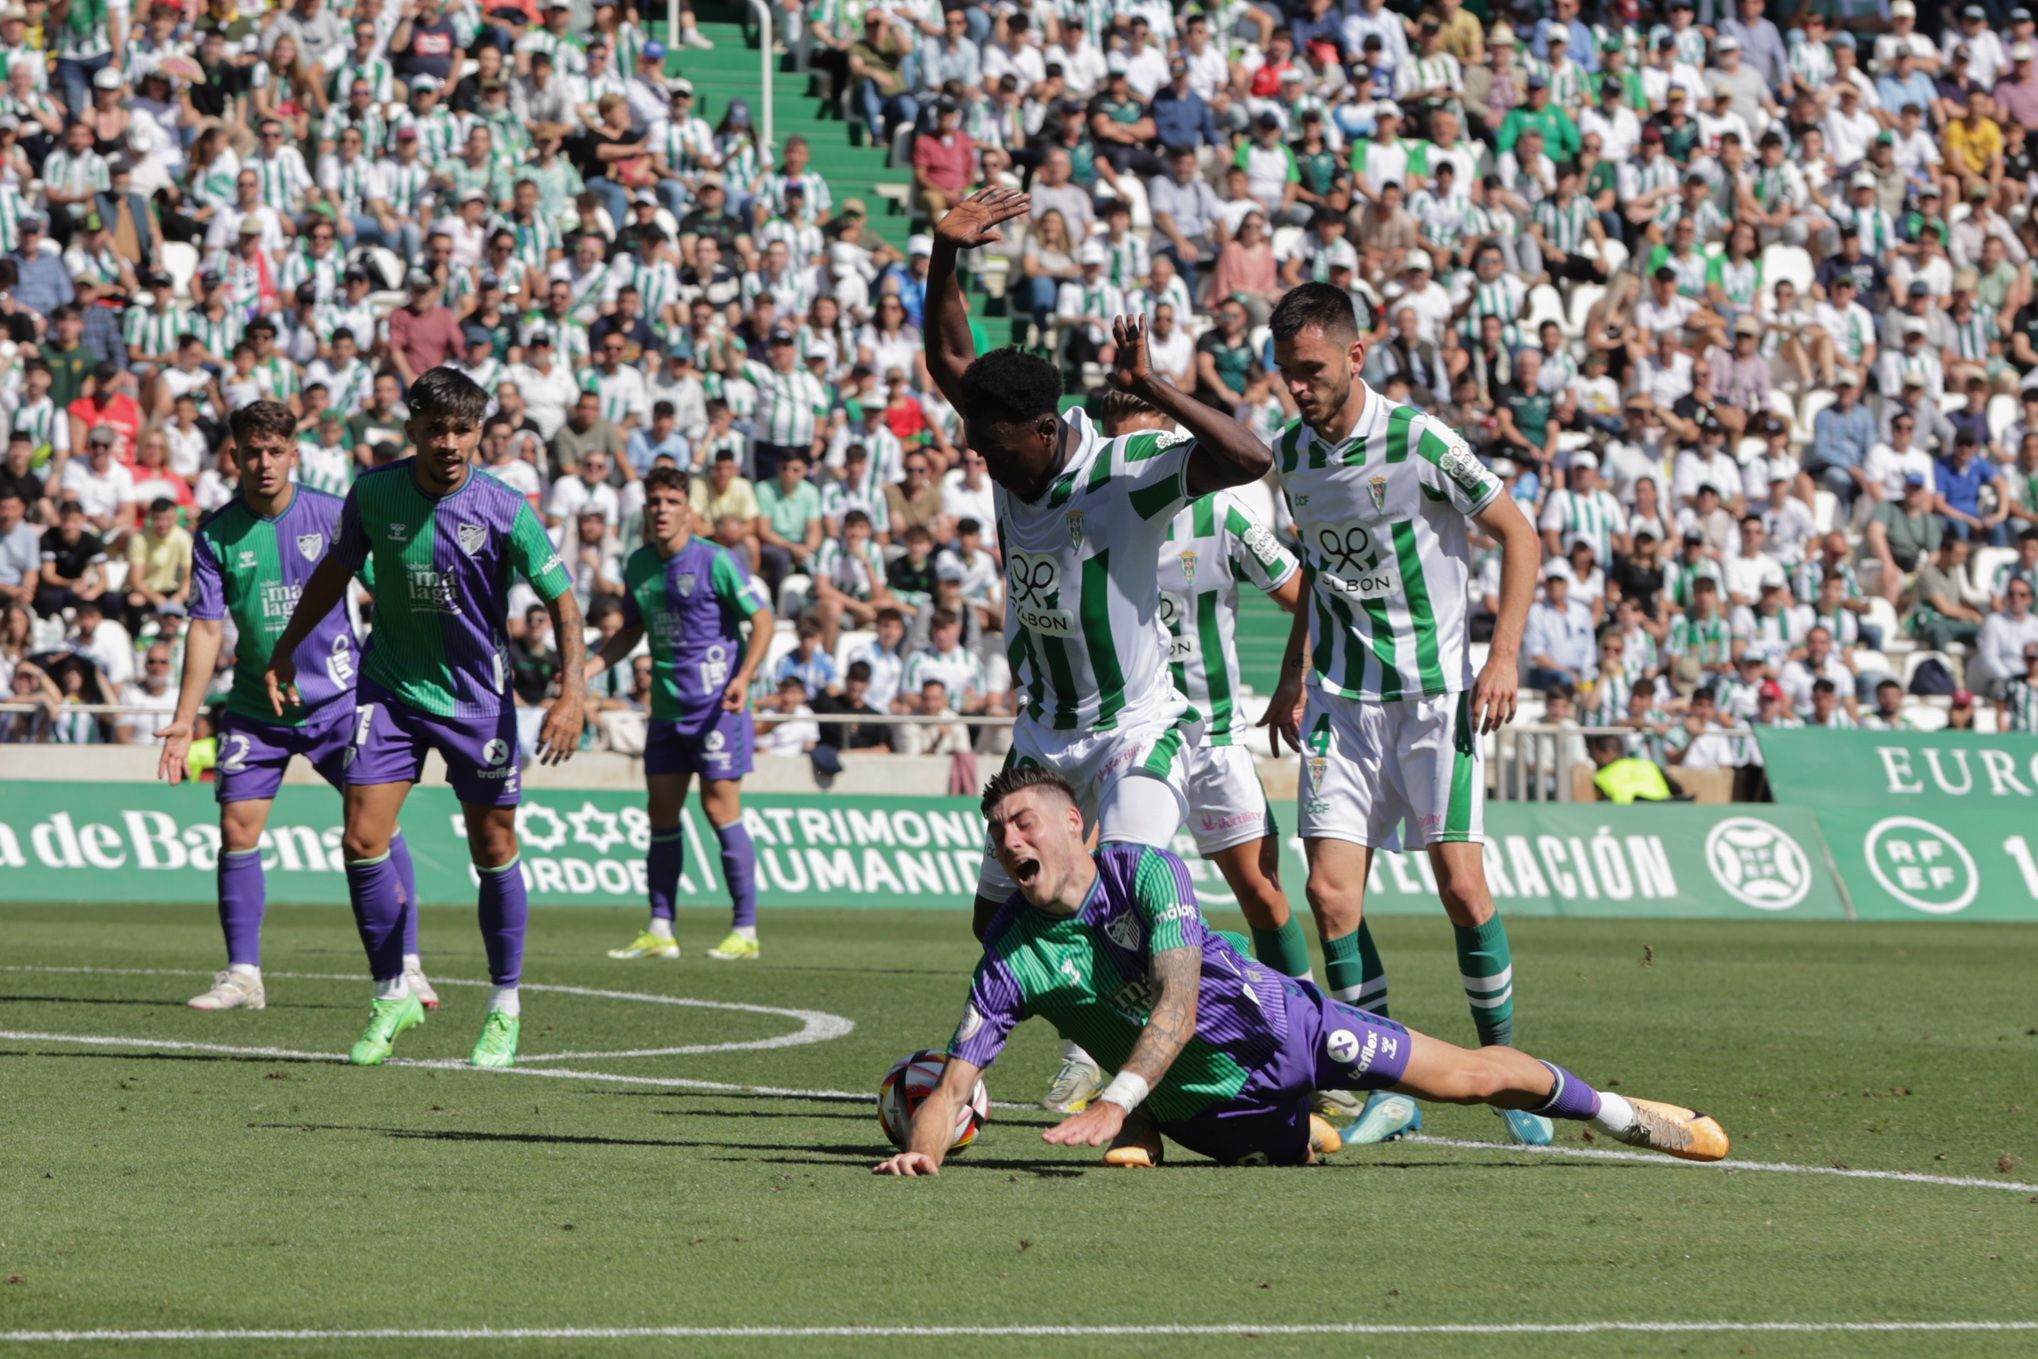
{"type": "Point", "coordinates": [359, 843]}
{"type": "Point", "coordinates": [1461, 886]}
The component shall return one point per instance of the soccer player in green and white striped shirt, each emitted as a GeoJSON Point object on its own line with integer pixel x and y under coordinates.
{"type": "Point", "coordinates": [1081, 520]}
{"type": "Point", "coordinates": [1382, 495]}
{"type": "Point", "coordinates": [2017, 710]}
{"type": "Point", "coordinates": [1212, 545]}
{"type": "Point", "coordinates": [1584, 509]}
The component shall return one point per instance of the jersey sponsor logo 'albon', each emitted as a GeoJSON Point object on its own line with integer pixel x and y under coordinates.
{"type": "Point", "coordinates": [1036, 588]}
{"type": "Point", "coordinates": [1354, 565]}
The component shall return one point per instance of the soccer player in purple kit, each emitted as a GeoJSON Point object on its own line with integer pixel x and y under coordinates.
{"type": "Point", "coordinates": [693, 596]}
{"type": "Point", "coordinates": [1217, 1052]}
{"type": "Point", "coordinates": [250, 559]}
{"type": "Point", "coordinates": [445, 538]}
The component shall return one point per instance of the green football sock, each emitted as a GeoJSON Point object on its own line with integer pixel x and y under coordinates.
{"type": "Point", "coordinates": [1352, 967]}
{"type": "Point", "coordinates": [1285, 949]}
{"type": "Point", "coordinates": [1487, 971]}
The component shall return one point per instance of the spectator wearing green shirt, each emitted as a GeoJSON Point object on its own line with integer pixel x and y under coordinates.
{"type": "Point", "coordinates": [1560, 134]}
{"type": "Point", "coordinates": [788, 522]}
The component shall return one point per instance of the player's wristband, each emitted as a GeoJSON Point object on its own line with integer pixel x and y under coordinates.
{"type": "Point", "coordinates": [1126, 1091]}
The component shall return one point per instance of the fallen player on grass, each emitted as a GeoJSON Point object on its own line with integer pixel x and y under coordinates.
{"type": "Point", "coordinates": [1212, 1049]}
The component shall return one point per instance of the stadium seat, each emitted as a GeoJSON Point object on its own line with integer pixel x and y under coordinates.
{"type": "Point", "coordinates": [1614, 254]}
{"type": "Point", "coordinates": [1793, 262]}
{"type": "Point", "coordinates": [847, 645]}
{"type": "Point", "coordinates": [180, 262]}
{"type": "Point", "coordinates": [1544, 304]}
{"type": "Point", "coordinates": [1986, 561]}
{"type": "Point", "coordinates": [383, 264]}
{"type": "Point", "coordinates": [792, 594]}
{"type": "Point", "coordinates": [1882, 613]}
{"type": "Point", "coordinates": [1814, 402]}
{"type": "Point", "coordinates": [2002, 413]}
{"type": "Point", "coordinates": [1925, 717]}
{"type": "Point", "coordinates": [1868, 662]}
{"type": "Point", "coordinates": [1584, 297]}
{"type": "Point", "coordinates": [1825, 510]}
{"type": "Point", "coordinates": [1286, 240]}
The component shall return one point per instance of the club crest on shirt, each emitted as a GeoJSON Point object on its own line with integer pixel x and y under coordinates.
{"type": "Point", "coordinates": [471, 537]}
{"type": "Point", "coordinates": [1123, 930]}
{"type": "Point", "coordinates": [396, 531]}
{"type": "Point", "coordinates": [309, 545]}
{"type": "Point", "coordinates": [684, 583]}
{"type": "Point", "coordinates": [1378, 486]}
{"type": "Point", "coordinates": [1189, 566]}
{"type": "Point", "coordinates": [1075, 528]}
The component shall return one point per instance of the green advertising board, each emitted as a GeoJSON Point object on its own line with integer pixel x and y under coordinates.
{"type": "Point", "coordinates": [1923, 825]}
{"type": "Point", "coordinates": [107, 842]}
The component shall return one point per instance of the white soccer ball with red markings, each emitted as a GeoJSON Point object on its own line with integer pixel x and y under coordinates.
{"type": "Point", "coordinates": [913, 1078]}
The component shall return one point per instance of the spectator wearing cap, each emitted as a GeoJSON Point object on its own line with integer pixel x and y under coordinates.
{"type": "Point", "coordinates": [1762, 46]}
{"type": "Point", "coordinates": [2016, 91]}
{"type": "Point", "coordinates": [944, 160]}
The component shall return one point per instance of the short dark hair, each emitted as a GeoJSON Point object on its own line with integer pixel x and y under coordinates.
{"type": "Point", "coordinates": [1122, 405]}
{"type": "Point", "coordinates": [1018, 778]}
{"type": "Point", "coordinates": [664, 479]}
{"type": "Point", "coordinates": [1314, 304]}
{"type": "Point", "coordinates": [945, 618]}
{"type": "Point", "coordinates": [262, 419]}
{"type": "Point", "coordinates": [447, 394]}
{"type": "Point", "coordinates": [1604, 745]}
{"type": "Point", "coordinates": [1010, 386]}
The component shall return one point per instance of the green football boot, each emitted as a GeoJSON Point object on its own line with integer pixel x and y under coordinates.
{"type": "Point", "coordinates": [497, 1046]}
{"type": "Point", "coordinates": [386, 1019]}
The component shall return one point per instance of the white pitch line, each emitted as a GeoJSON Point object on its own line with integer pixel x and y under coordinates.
{"type": "Point", "coordinates": [1237, 1329]}
{"type": "Point", "coordinates": [816, 1026]}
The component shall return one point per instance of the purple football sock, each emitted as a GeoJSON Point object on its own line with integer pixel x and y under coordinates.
{"type": "Point", "coordinates": [505, 910]}
{"type": "Point", "coordinates": [242, 894]}
{"type": "Point", "coordinates": [739, 866]}
{"type": "Point", "coordinates": [407, 886]}
{"type": "Point", "coordinates": [378, 914]}
{"type": "Point", "coordinates": [1572, 1098]}
{"type": "Point", "coordinates": [667, 858]}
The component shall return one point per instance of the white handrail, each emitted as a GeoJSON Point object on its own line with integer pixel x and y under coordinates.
{"type": "Point", "coordinates": [766, 61]}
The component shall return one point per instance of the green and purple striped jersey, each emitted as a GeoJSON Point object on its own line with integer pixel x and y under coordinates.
{"type": "Point", "coordinates": [1082, 607]}
{"type": "Point", "coordinates": [1088, 974]}
{"type": "Point", "coordinates": [444, 565]}
{"type": "Point", "coordinates": [252, 570]}
{"type": "Point", "coordinates": [692, 606]}
{"type": "Point", "coordinates": [1381, 516]}
{"type": "Point", "coordinates": [1213, 545]}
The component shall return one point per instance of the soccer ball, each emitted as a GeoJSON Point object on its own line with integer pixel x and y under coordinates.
{"type": "Point", "coordinates": [911, 1079]}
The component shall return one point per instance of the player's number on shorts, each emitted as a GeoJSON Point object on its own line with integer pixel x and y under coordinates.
{"type": "Point", "coordinates": [364, 718]}
{"type": "Point", "coordinates": [234, 752]}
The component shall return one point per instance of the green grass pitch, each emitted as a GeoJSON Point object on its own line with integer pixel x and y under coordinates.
{"type": "Point", "coordinates": [178, 1177]}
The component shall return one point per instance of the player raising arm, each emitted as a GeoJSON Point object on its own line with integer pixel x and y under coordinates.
{"type": "Point", "coordinates": [445, 538]}
{"type": "Point", "coordinates": [250, 558]}
{"type": "Point", "coordinates": [1212, 1050]}
{"type": "Point", "coordinates": [1082, 519]}
{"type": "Point", "coordinates": [1390, 736]}
{"type": "Point", "coordinates": [693, 596]}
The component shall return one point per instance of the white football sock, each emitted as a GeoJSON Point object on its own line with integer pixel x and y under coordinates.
{"type": "Point", "coordinates": [661, 928]}
{"type": "Point", "coordinates": [396, 988]}
{"type": "Point", "coordinates": [413, 963]}
{"type": "Point", "coordinates": [745, 932]}
{"type": "Point", "coordinates": [248, 970]}
{"type": "Point", "coordinates": [504, 998]}
{"type": "Point", "coordinates": [1616, 1115]}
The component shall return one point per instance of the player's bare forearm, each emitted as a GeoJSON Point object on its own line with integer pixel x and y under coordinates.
{"type": "Point", "coordinates": [1283, 717]}
{"type": "Point", "coordinates": [322, 593]}
{"type": "Point", "coordinates": [763, 624]}
{"type": "Point", "coordinates": [559, 737]}
{"type": "Point", "coordinates": [950, 350]}
{"type": "Point", "coordinates": [1520, 559]}
{"type": "Point", "coordinates": [201, 654]}
{"type": "Point", "coordinates": [615, 649]}
{"type": "Point", "coordinates": [934, 1123]}
{"type": "Point", "coordinates": [1226, 454]}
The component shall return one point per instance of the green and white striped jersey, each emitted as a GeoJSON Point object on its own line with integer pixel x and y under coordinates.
{"type": "Point", "coordinates": [1212, 545]}
{"type": "Point", "coordinates": [1381, 515]}
{"type": "Point", "coordinates": [1595, 515]}
{"type": "Point", "coordinates": [2021, 698]}
{"type": "Point", "coordinates": [790, 406]}
{"type": "Point", "coordinates": [1082, 608]}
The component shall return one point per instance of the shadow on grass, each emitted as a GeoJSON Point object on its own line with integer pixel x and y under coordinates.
{"type": "Point", "coordinates": [869, 1156]}
{"type": "Point", "coordinates": [246, 1058]}
{"type": "Point", "coordinates": [166, 1003]}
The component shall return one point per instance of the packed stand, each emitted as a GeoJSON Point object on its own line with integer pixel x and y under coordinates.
{"type": "Point", "coordinates": [1738, 303]}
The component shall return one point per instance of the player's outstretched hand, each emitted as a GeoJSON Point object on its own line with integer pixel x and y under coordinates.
{"type": "Point", "coordinates": [1283, 717]}
{"type": "Point", "coordinates": [1093, 1127]}
{"type": "Point", "coordinates": [974, 221]}
{"type": "Point", "coordinates": [281, 680]}
{"type": "Point", "coordinates": [176, 739]}
{"type": "Point", "coordinates": [911, 1164]}
{"type": "Point", "coordinates": [1130, 371]}
{"type": "Point", "coordinates": [1495, 694]}
{"type": "Point", "coordinates": [565, 720]}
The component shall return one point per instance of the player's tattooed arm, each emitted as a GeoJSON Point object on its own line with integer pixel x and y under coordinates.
{"type": "Point", "coordinates": [559, 737]}
{"type": "Point", "coordinates": [1226, 452]}
{"type": "Point", "coordinates": [1174, 975]}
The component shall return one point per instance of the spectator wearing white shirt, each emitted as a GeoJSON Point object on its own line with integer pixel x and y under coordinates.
{"type": "Point", "coordinates": [155, 690]}
{"type": "Point", "coordinates": [1999, 648]}
{"type": "Point", "coordinates": [104, 642]}
{"type": "Point", "coordinates": [587, 488]}
{"type": "Point", "coordinates": [1892, 462]}
{"type": "Point", "coordinates": [967, 493]}
{"type": "Point", "coordinates": [102, 485]}
{"type": "Point", "coordinates": [1751, 570]}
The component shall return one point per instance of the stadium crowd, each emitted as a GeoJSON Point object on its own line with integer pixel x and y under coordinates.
{"type": "Point", "coordinates": [1736, 298]}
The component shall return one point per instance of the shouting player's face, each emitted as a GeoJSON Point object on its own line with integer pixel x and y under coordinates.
{"type": "Point", "coordinates": [1317, 370]}
{"type": "Point", "coordinates": [265, 463]}
{"type": "Point", "coordinates": [1037, 835]}
{"type": "Point", "coordinates": [667, 515]}
{"type": "Point", "coordinates": [446, 446]}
